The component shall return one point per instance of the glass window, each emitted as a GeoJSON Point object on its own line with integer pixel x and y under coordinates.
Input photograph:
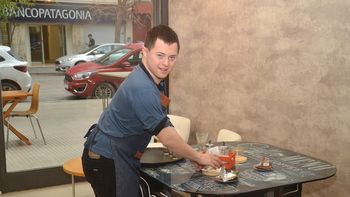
{"type": "Point", "coordinates": [135, 59]}
{"type": "Point", "coordinates": [64, 112]}
{"type": "Point", "coordinates": [103, 49]}
{"type": "Point", "coordinates": [88, 49]}
{"type": "Point", "coordinates": [113, 57]}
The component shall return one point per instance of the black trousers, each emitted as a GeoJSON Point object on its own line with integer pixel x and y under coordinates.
{"type": "Point", "coordinates": [100, 174]}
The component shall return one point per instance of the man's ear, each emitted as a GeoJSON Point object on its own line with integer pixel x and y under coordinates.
{"type": "Point", "coordinates": [144, 51]}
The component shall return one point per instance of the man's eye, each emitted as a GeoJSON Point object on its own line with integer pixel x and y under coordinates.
{"type": "Point", "coordinates": [160, 55]}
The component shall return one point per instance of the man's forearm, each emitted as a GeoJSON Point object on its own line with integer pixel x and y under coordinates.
{"type": "Point", "coordinates": [173, 141]}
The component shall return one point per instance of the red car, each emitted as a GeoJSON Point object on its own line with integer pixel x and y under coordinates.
{"type": "Point", "coordinates": [83, 79]}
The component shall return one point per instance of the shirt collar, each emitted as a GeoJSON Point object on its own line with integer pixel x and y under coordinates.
{"type": "Point", "coordinates": [161, 86]}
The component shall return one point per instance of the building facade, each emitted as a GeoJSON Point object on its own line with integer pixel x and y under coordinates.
{"type": "Point", "coordinates": [47, 30]}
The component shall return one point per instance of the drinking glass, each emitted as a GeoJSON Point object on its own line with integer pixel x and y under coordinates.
{"type": "Point", "coordinates": [229, 158]}
{"type": "Point", "coordinates": [201, 137]}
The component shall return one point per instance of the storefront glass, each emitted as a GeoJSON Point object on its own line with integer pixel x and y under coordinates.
{"type": "Point", "coordinates": [64, 118]}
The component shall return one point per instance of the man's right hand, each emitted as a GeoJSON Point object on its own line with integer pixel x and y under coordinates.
{"type": "Point", "coordinates": [208, 159]}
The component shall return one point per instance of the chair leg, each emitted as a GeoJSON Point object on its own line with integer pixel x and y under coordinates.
{"type": "Point", "coordinates": [7, 132]}
{"type": "Point", "coordinates": [41, 131]}
{"type": "Point", "coordinates": [31, 122]}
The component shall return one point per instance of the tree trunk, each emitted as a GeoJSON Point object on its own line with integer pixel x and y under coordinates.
{"type": "Point", "coordinates": [118, 26]}
{"type": "Point", "coordinates": [12, 27]}
{"type": "Point", "coordinates": [122, 11]}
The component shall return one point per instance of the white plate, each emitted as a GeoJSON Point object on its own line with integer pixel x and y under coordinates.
{"type": "Point", "coordinates": [209, 171]}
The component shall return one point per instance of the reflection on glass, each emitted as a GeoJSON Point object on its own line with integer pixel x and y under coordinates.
{"type": "Point", "coordinates": [64, 118]}
{"type": "Point", "coordinates": [35, 37]}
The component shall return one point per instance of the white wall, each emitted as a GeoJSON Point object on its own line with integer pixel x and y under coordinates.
{"type": "Point", "coordinates": [101, 33]}
{"type": "Point", "coordinates": [105, 33]}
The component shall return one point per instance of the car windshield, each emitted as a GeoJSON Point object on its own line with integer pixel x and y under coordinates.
{"type": "Point", "coordinates": [113, 57]}
{"type": "Point", "coordinates": [15, 56]}
{"type": "Point", "coordinates": [88, 49]}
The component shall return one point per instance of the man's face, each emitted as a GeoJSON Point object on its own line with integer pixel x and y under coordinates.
{"type": "Point", "coordinates": [160, 60]}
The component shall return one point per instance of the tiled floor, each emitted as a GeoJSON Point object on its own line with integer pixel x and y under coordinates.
{"type": "Point", "coordinates": [82, 189]}
{"type": "Point", "coordinates": [64, 124]}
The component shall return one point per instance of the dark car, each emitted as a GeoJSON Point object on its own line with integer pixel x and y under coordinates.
{"type": "Point", "coordinates": [85, 79]}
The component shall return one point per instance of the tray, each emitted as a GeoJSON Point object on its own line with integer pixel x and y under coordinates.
{"type": "Point", "coordinates": [156, 156]}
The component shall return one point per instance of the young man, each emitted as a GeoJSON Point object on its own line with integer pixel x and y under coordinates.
{"type": "Point", "coordinates": [91, 41]}
{"type": "Point", "coordinates": [137, 111]}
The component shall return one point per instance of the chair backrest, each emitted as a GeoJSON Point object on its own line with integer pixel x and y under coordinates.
{"type": "Point", "coordinates": [226, 135]}
{"type": "Point", "coordinates": [182, 126]}
{"type": "Point", "coordinates": [34, 106]}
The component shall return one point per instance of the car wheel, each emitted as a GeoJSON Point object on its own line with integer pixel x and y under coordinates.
{"type": "Point", "coordinates": [6, 86]}
{"type": "Point", "coordinates": [104, 90]}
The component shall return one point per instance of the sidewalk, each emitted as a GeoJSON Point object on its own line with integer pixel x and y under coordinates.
{"type": "Point", "coordinates": [64, 123]}
{"type": "Point", "coordinates": [36, 68]}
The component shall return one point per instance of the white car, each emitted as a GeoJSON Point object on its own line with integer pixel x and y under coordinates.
{"type": "Point", "coordinates": [14, 73]}
{"type": "Point", "coordinates": [65, 62]}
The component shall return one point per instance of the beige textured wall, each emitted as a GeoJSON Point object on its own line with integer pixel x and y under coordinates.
{"type": "Point", "coordinates": [274, 71]}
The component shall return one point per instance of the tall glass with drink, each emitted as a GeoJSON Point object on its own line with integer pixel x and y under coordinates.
{"type": "Point", "coordinates": [202, 137]}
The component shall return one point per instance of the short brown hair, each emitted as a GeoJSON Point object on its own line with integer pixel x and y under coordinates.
{"type": "Point", "coordinates": [164, 33]}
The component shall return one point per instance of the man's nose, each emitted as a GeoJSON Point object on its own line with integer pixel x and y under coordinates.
{"type": "Point", "coordinates": [166, 61]}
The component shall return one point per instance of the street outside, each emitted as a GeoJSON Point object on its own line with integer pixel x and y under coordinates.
{"type": "Point", "coordinates": [52, 87]}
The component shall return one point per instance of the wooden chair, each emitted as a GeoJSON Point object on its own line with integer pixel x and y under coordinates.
{"type": "Point", "coordinates": [226, 135]}
{"type": "Point", "coordinates": [74, 167]}
{"type": "Point", "coordinates": [33, 109]}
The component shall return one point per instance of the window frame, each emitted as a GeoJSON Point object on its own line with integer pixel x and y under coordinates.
{"type": "Point", "coordinates": [15, 181]}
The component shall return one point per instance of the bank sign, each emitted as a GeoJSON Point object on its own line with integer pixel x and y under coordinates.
{"type": "Point", "coordinates": [63, 13]}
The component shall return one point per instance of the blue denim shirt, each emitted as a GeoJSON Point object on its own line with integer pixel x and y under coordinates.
{"type": "Point", "coordinates": [133, 110]}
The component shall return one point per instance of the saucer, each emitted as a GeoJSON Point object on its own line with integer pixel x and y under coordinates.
{"type": "Point", "coordinates": [229, 177]}
{"type": "Point", "coordinates": [220, 180]}
{"type": "Point", "coordinates": [263, 168]}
